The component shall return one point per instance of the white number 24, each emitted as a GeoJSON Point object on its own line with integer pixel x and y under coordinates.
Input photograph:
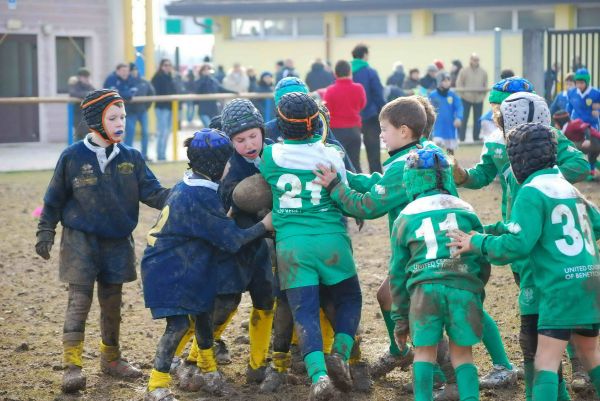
{"type": "Point", "coordinates": [289, 199]}
{"type": "Point", "coordinates": [427, 232]}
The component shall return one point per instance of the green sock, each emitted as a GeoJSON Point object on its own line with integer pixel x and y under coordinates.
{"type": "Point", "coordinates": [595, 378]}
{"type": "Point", "coordinates": [423, 381]}
{"type": "Point", "coordinates": [438, 374]}
{"type": "Point", "coordinates": [529, 375]}
{"type": "Point", "coordinates": [545, 386]}
{"type": "Point", "coordinates": [563, 393]}
{"type": "Point", "coordinates": [467, 382]}
{"type": "Point", "coordinates": [571, 350]}
{"type": "Point", "coordinates": [493, 342]}
{"type": "Point", "coordinates": [390, 325]}
{"type": "Point", "coordinates": [342, 344]}
{"type": "Point", "coordinates": [315, 365]}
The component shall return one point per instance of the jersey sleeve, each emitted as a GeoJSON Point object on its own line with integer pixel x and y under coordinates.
{"type": "Point", "coordinates": [56, 196]}
{"type": "Point", "coordinates": [397, 271]}
{"type": "Point", "coordinates": [389, 193]}
{"type": "Point", "coordinates": [525, 228]}
{"type": "Point", "coordinates": [362, 182]}
{"type": "Point", "coordinates": [484, 172]}
{"type": "Point", "coordinates": [571, 162]}
{"type": "Point", "coordinates": [151, 192]}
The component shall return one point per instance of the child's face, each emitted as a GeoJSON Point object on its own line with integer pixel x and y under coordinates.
{"type": "Point", "coordinates": [248, 143]}
{"type": "Point", "coordinates": [394, 138]}
{"type": "Point", "coordinates": [114, 123]}
{"type": "Point", "coordinates": [581, 85]}
{"type": "Point", "coordinates": [445, 84]}
{"type": "Point", "coordinates": [268, 79]}
{"type": "Point", "coordinates": [570, 84]}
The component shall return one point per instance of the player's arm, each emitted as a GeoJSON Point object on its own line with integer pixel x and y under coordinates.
{"type": "Point", "coordinates": [479, 176]}
{"type": "Point", "coordinates": [362, 182]}
{"type": "Point", "coordinates": [398, 279]}
{"type": "Point", "coordinates": [151, 192]}
{"type": "Point", "coordinates": [571, 162]}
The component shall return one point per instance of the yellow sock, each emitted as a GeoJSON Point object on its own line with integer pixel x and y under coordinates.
{"type": "Point", "coordinates": [281, 361]}
{"type": "Point", "coordinates": [261, 326]}
{"type": "Point", "coordinates": [327, 332]}
{"type": "Point", "coordinates": [72, 352]}
{"type": "Point", "coordinates": [356, 354]}
{"type": "Point", "coordinates": [206, 360]}
{"type": "Point", "coordinates": [184, 340]}
{"type": "Point", "coordinates": [218, 331]}
{"type": "Point", "coordinates": [109, 352]}
{"type": "Point", "coordinates": [193, 355]}
{"type": "Point", "coordinates": [294, 337]}
{"type": "Point", "coordinates": [158, 380]}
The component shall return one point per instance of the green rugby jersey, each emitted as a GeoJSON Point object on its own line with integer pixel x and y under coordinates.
{"type": "Point", "coordinates": [556, 228]}
{"type": "Point", "coordinates": [420, 253]}
{"type": "Point", "coordinates": [301, 207]}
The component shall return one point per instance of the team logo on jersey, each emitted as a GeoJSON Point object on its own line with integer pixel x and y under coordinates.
{"type": "Point", "coordinates": [380, 189]}
{"type": "Point", "coordinates": [513, 228]}
{"type": "Point", "coordinates": [125, 168]}
{"type": "Point", "coordinates": [450, 99]}
{"type": "Point", "coordinates": [498, 153]}
{"type": "Point", "coordinates": [86, 177]}
{"type": "Point", "coordinates": [588, 102]}
{"type": "Point", "coordinates": [528, 295]}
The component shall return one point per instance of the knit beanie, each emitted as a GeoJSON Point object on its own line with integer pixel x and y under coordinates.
{"type": "Point", "coordinates": [440, 77]}
{"type": "Point", "coordinates": [439, 64]}
{"type": "Point", "coordinates": [93, 107]}
{"type": "Point", "coordinates": [209, 151]}
{"type": "Point", "coordinates": [531, 147]}
{"type": "Point", "coordinates": [561, 117]}
{"type": "Point", "coordinates": [288, 85]}
{"type": "Point", "coordinates": [426, 170]}
{"type": "Point", "coordinates": [505, 87]}
{"type": "Point", "coordinates": [240, 115]}
{"type": "Point", "coordinates": [582, 74]}
{"type": "Point", "coordinates": [298, 116]}
{"type": "Point", "coordinates": [216, 123]}
{"type": "Point", "coordinates": [523, 107]}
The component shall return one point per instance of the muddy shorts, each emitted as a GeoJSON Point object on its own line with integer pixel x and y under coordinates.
{"type": "Point", "coordinates": [86, 258]}
{"type": "Point", "coordinates": [304, 260]}
{"type": "Point", "coordinates": [434, 307]}
{"type": "Point", "coordinates": [590, 330]}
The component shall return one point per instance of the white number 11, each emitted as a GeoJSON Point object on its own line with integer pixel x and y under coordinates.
{"type": "Point", "coordinates": [427, 232]}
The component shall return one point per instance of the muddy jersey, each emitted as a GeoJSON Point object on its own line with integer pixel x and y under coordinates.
{"type": "Point", "coordinates": [553, 225]}
{"type": "Point", "coordinates": [300, 206]}
{"type": "Point", "coordinates": [419, 249]}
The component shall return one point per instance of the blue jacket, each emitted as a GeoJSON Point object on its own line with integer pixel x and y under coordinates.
{"type": "Point", "coordinates": [192, 239]}
{"type": "Point", "coordinates": [125, 87]}
{"type": "Point", "coordinates": [560, 102]}
{"type": "Point", "coordinates": [207, 84]}
{"type": "Point", "coordinates": [580, 105]}
{"type": "Point", "coordinates": [106, 204]}
{"type": "Point", "coordinates": [448, 108]}
{"type": "Point", "coordinates": [369, 79]}
{"type": "Point", "coordinates": [273, 134]}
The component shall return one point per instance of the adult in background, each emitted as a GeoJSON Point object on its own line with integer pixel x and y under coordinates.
{"type": "Point", "coordinates": [454, 70]}
{"type": "Point", "coordinates": [138, 112]}
{"type": "Point", "coordinates": [190, 105]}
{"type": "Point", "coordinates": [470, 77]}
{"type": "Point", "coordinates": [550, 81]}
{"type": "Point", "coordinates": [345, 100]}
{"type": "Point", "coordinates": [429, 82]}
{"type": "Point", "coordinates": [164, 85]}
{"type": "Point", "coordinates": [318, 77]}
{"type": "Point", "coordinates": [119, 80]}
{"type": "Point", "coordinates": [264, 85]}
{"type": "Point", "coordinates": [205, 85]}
{"type": "Point", "coordinates": [237, 80]}
{"type": "Point", "coordinates": [412, 83]}
{"type": "Point", "coordinates": [79, 88]}
{"type": "Point", "coordinates": [363, 74]}
{"type": "Point", "coordinates": [287, 70]}
{"type": "Point", "coordinates": [397, 77]}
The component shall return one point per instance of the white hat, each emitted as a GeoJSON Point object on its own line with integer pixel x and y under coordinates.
{"type": "Point", "coordinates": [524, 107]}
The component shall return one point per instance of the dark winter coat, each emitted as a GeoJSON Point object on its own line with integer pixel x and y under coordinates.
{"type": "Point", "coordinates": [318, 78]}
{"type": "Point", "coordinates": [143, 88]}
{"type": "Point", "coordinates": [369, 79]}
{"type": "Point", "coordinates": [163, 85]}
{"type": "Point", "coordinates": [204, 85]}
{"type": "Point", "coordinates": [396, 79]}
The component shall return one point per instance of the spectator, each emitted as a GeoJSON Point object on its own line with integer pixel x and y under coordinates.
{"type": "Point", "coordinates": [472, 77]}
{"type": "Point", "coordinates": [138, 112]}
{"type": "Point", "coordinates": [278, 71]}
{"type": "Point", "coordinates": [79, 88]}
{"type": "Point", "coordinates": [363, 74]}
{"type": "Point", "coordinates": [119, 81]}
{"type": "Point", "coordinates": [251, 79]}
{"type": "Point", "coordinates": [506, 73]}
{"type": "Point", "coordinates": [237, 80]}
{"type": "Point", "coordinates": [163, 85]}
{"type": "Point", "coordinates": [207, 84]}
{"type": "Point", "coordinates": [454, 70]}
{"type": "Point", "coordinates": [561, 100]}
{"type": "Point", "coordinates": [397, 77]}
{"type": "Point", "coordinates": [220, 74]}
{"type": "Point", "coordinates": [265, 85]}
{"type": "Point", "coordinates": [345, 100]}
{"type": "Point", "coordinates": [412, 83]}
{"type": "Point", "coordinates": [190, 106]}
{"type": "Point", "coordinates": [550, 78]}
{"type": "Point", "coordinates": [288, 69]}
{"type": "Point", "coordinates": [449, 111]}
{"type": "Point", "coordinates": [428, 82]}
{"type": "Point", "coordinates": [318, 77]}
{"type": "Point", "coordinates": [577, 64]}
{"type": "Point", "coordinates": [439, 64]}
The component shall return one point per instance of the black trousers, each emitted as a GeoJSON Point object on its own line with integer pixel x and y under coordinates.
{"type": "Point", "coordinates": [371, 131]}
{"type": "Point", "coordinates": [477, 108]}
{"type": "Point", "coordinates": [350, 140]}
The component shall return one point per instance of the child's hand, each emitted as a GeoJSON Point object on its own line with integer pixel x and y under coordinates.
{"type": "Point", "coordinates": [457, 123]}
{"type": "Point", "coordinates": [268, 222]}
{"type": "Point", "coordinates": [596, 113]}
{"type": "Point", "coordinates": [45, 240]}
{"type": "Point", "coordinates": [461, 242]}
{"type": "Point", "coordinates": [401, 334]}
{"type": "Point", "coordinates": [325, 175]}
{"type": "Point", "coordinates": [459, 174]}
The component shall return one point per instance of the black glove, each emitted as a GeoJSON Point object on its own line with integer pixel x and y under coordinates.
{"type": "Point", "coordinates": [45, 240]}
{"type": "Point", "coordinates": [360, 223]}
